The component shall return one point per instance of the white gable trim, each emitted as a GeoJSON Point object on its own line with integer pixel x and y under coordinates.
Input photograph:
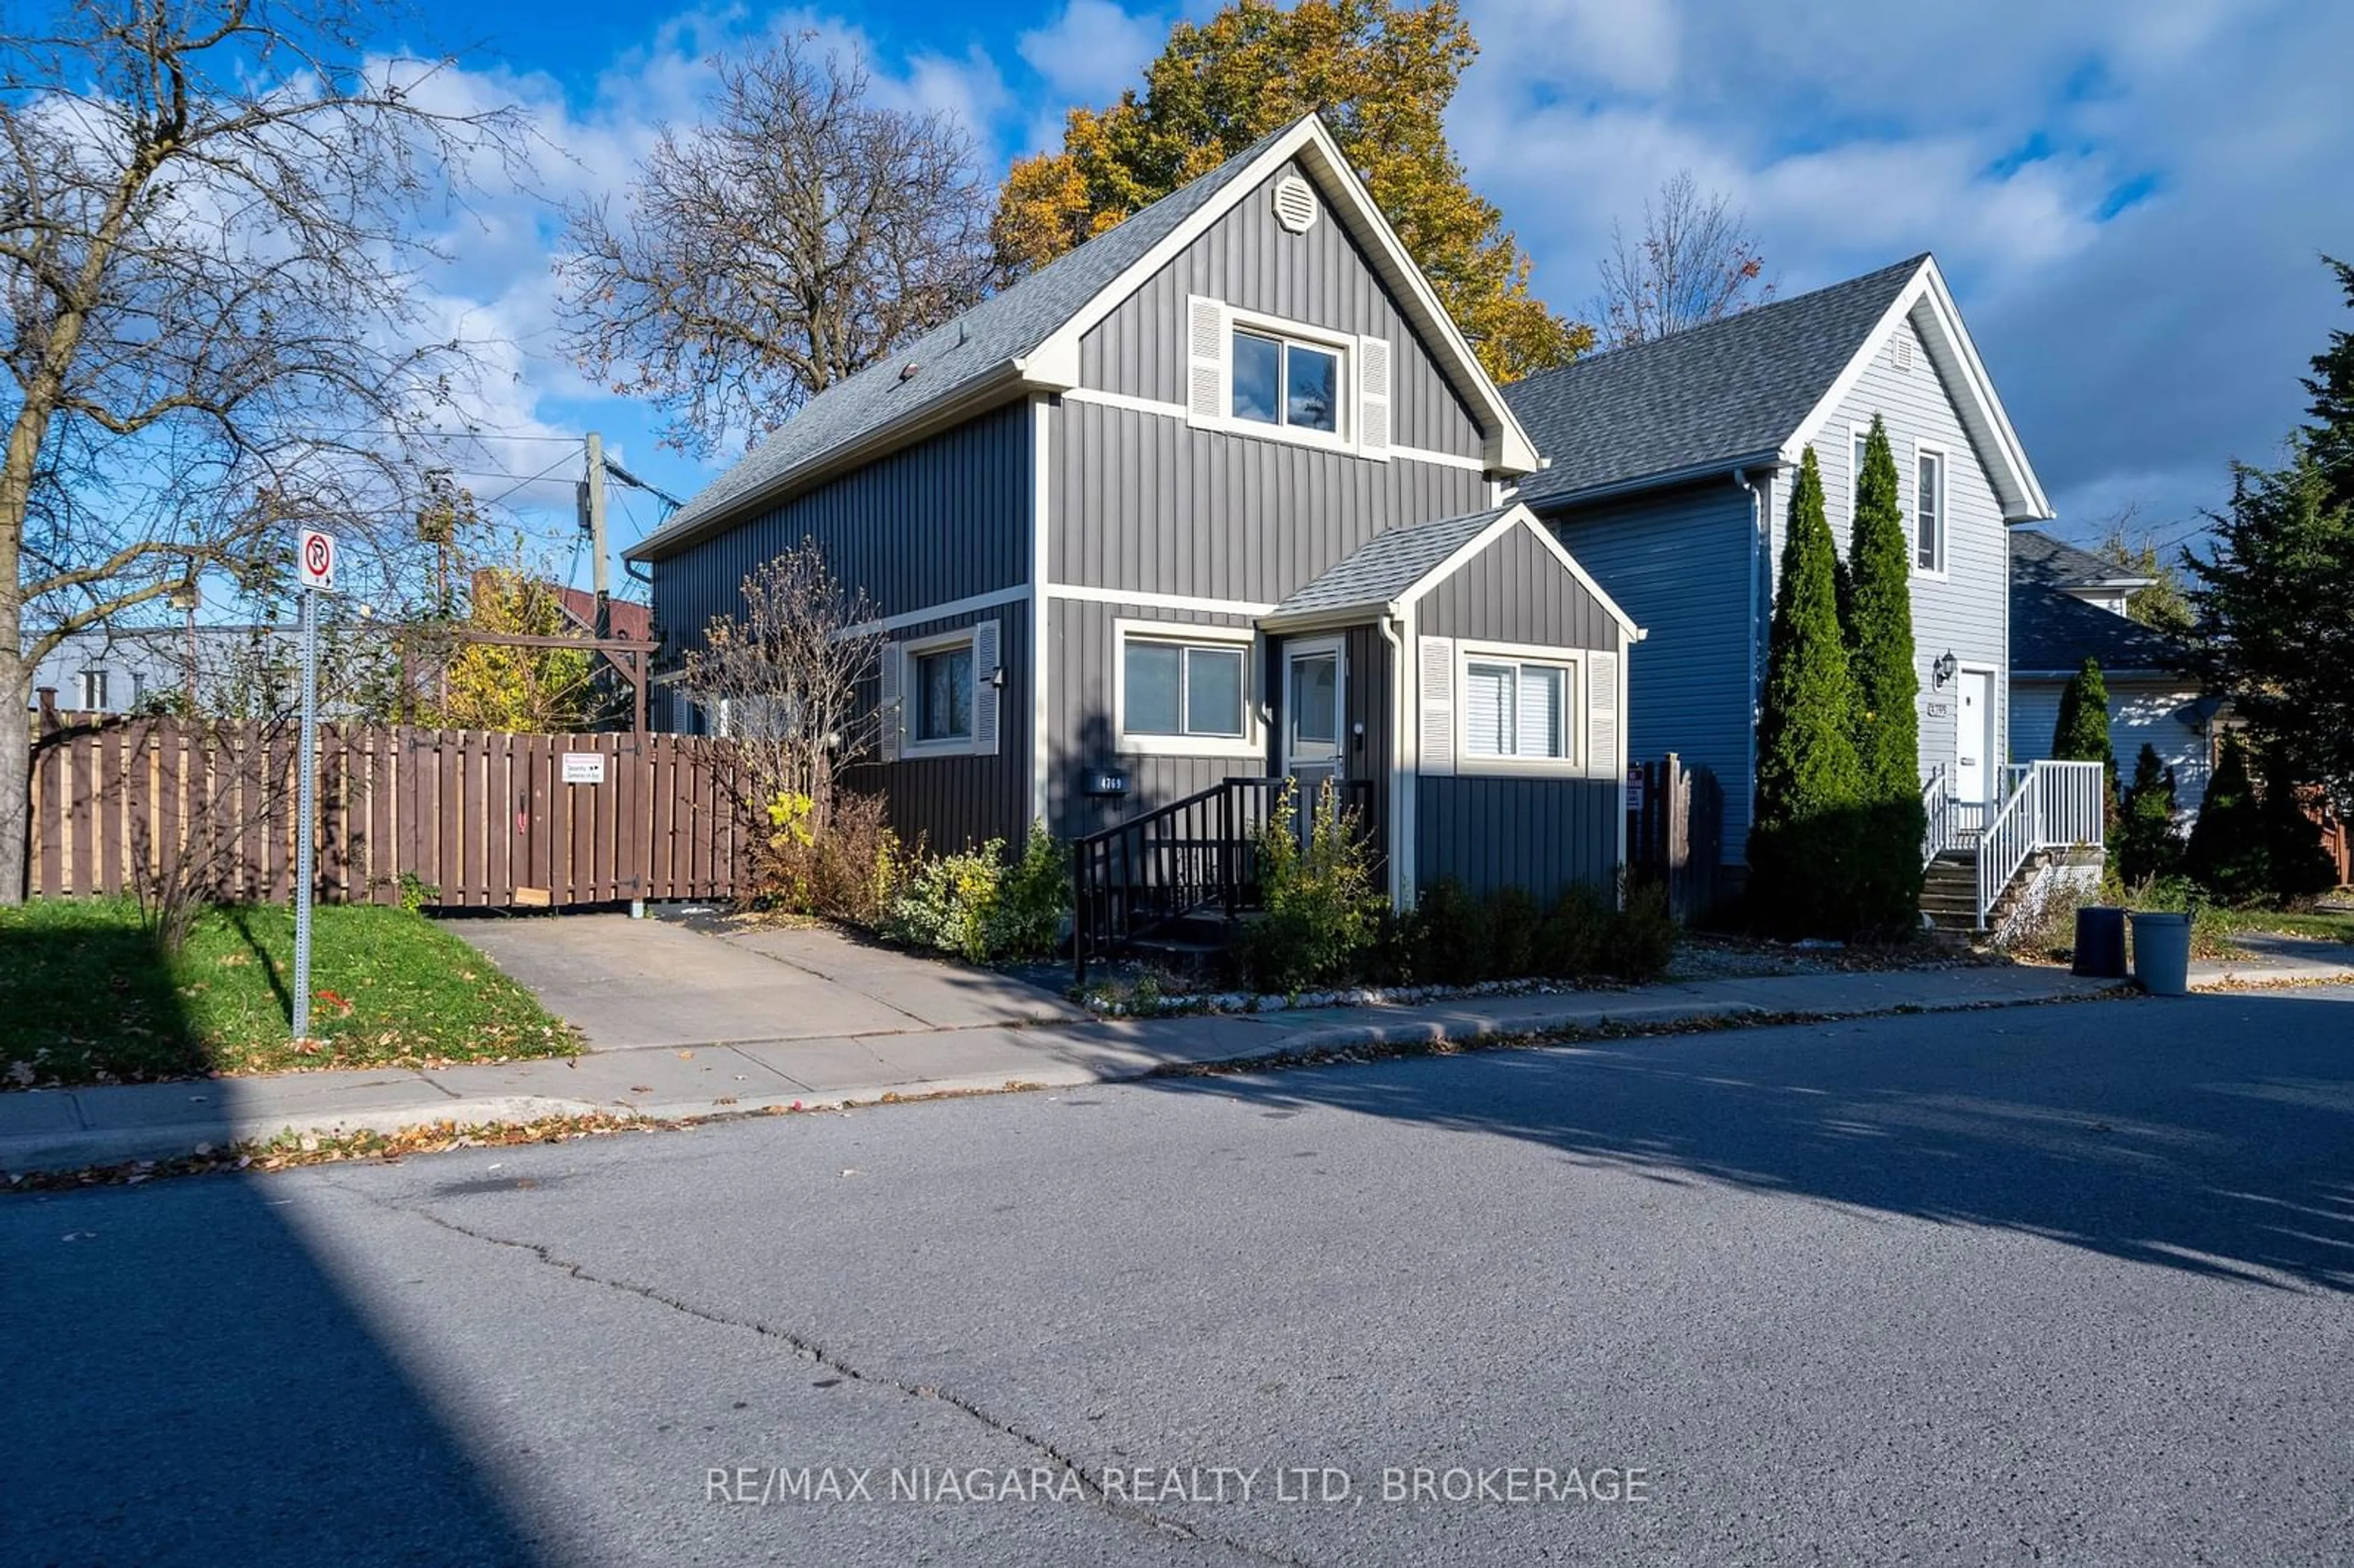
{"type": "Point", "coordinates": [1403, 605]}
{"type": "Point", "coordinates": [1055, 363]}
{"type": "Point", "coordinates": [1951, 350]}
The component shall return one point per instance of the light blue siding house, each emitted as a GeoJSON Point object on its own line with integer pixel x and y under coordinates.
{"type": "Point", "coordinates": [1669, 478]}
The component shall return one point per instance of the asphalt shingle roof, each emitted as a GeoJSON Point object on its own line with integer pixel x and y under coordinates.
{"type": "Point", "coordinates": [2052, 630]}
{"type": "Point", "coordinates": [1389, 564]}
{"type": "Point", "coordinates": [1715, 394]}
{"type": "Point", "coordinates": [951, 357]}
{"type": "Point", "coordinates": [2040, 557]}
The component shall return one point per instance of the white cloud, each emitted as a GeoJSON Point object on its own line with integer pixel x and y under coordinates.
{"type": "Point", "coordinates": [1093, 49]}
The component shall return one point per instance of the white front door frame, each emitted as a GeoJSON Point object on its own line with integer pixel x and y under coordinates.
{"type": "Point", "coordinates": [1976, 765]}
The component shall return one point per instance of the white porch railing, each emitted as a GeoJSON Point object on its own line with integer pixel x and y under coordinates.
{"type": "Point", "coordinates": [1942, 831]}
{"type": "Point", "coordinates": [2051, 805]}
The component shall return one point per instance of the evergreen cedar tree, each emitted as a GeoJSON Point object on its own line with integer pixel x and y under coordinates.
{"type": "Point", "coordinates": [2271, 596]}
{"type": "Point", "coordinates": [2146, 844]}
{"type": "Point", "coordinates": [1804, 844]}
{"type": "Point", "coordinates": [2248, 847]}
{"type": "Point", "coordinates": [1877, 627]}
{"type": "Point", "coordinates": [1381, 75]}
{"type": "Point", "coordinates": [2081, 731]}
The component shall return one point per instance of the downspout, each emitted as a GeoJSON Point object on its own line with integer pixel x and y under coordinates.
{"type": "Point", "coordinates": [1397, 829]}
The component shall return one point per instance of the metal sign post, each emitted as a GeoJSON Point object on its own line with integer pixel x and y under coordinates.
{"type": "Point", "coordinates": [315, 574]}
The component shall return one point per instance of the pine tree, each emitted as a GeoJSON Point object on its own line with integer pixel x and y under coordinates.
{"type": "Point", "coordinates": [1877, 625]}
{"type": "Point", "coordinates": [2227, 854]}
{"type": "Point", "coordinates": [2331, 437]}
{"type": "Point", "coordinates": [1810, 787]}
{"type": "Point", "coordinates": [2146, 844]}
{"type": "Point", "coordinates": [2295, 864]}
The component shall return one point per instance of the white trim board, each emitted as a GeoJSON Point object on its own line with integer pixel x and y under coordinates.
{"type": "Point", "coordinates": [1084, 594]}
{"type": "Point", "coordinates": [1177, 411]}
{"type": "Point", "coordinates": [1042, 446]}
{"type": "Point", "coordinates": [956, 607]}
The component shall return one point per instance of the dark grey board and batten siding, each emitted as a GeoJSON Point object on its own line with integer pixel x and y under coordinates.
{"type": "Point", "coordinates": [1320, 278]}
{"type": "Point", "coordinates": [1145, 503]}
{"type": "Point", "coordinates": [945, 519]}
{"type": "Point", "coordinates": [1540, 833]}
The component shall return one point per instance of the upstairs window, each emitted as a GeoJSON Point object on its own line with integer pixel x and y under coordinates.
{"type": "Point", "coordinates": [1929, 513]}
{"type": "Point", "coordinates": [91, 689]}
{"type": "Point", "coordinates": [1283, 381]}
{"type": "Point", "coordinates": [1855, 475]}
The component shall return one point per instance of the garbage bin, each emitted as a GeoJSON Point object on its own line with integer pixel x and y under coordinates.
{"type": "Point", "coordinates": [2101, 942]}
{"type": "Point", "coordinates": [2162, 952]}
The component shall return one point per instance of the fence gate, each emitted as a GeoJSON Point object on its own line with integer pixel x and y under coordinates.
{"type": "Point", "coordinates": [1675, 832]}
{"type": "Point", "coordinates": [480, 819]}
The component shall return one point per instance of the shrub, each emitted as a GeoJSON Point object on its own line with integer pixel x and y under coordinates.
{"type": "Point", "coordinates": [1576, 932]}
{"type": "Point", "coordinates": [1027, 921]}
{"type": "Point", "coordinates": [2146, 844]}
{"type": "Point", "coordinates": [1512, 918]}
{"type": "Point", "coordinates": [1324, 915]}
{"type": "Point", "coordinates": [848, 869]}
{"type": "Point", "coordinates": [1451, 940]}
{"type": "Point", "coordinates": [978, 906]}
{"type": "Point", "coordinates": [2210, 927]}
{"type": "Point", "coordinates": [2081, 731]}
{"type": "Point", "coordinates": [1641, 940]}
{"type": "Point", "coordinates": [2297, 864]}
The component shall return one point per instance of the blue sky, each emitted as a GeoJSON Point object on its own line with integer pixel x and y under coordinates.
{"type": "Point", "coordinates": [2128, 197]}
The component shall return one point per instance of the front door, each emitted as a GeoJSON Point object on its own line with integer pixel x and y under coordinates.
{"type": "Point", "coordinates": [1974, 738]}
{"type": "Point", "coordinates": [1312, 674]}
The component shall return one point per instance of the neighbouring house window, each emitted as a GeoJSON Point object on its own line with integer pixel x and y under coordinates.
{"type": "Point", "coordinates": [91, 691]}
{"type": "Point", "coordinates": [944, 694]}
{"type": "Point", "coordinates": [1179, 688]}
{"type": "Point", "coordinates": [1283, 381]}
{"type": "Point", "coordinates": [1929, 514]}
{"type": "Point", "coordinates": [1516, 709]}
{"type": "Point", "coordinates": [1855, 474]}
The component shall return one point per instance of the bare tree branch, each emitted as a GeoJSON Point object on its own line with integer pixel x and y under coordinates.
{"type": "Point", "coordinates": [1696, 262]}
{"type": "Point", "coordinates": [800, 235]}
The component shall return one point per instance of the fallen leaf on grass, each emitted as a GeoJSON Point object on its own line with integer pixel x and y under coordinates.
{"type": "Point", "coordinates": [641, 1089]}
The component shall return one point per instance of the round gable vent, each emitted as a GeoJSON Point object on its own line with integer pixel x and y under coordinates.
{"type": "Point", "coordinates": [1295, 204]}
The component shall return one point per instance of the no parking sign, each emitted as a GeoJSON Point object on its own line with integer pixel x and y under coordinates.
{"type": "Point", "coordinates": [314, 560]}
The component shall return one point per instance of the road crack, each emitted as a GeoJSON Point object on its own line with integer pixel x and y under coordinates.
{"type": "Point", "coordinates": [834, 1362]}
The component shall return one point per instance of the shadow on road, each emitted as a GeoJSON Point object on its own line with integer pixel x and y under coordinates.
{"type": "Point", "coordinates": [2214, 1134]}
{"type": "Point", "coordinates": [187, 1382]}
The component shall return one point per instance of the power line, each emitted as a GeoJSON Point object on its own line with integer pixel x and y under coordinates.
{"type": "Point", "coordinates": [535, 479]}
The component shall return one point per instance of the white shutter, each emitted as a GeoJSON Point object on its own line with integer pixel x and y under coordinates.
{"type": "Point", "coordinates": [1602, 714]}
{"type": "Point", "coordinates": [985, 690]}
{"type": "Point", "coordinates": [1437, 660]}
{"type": "Point", "coordinates": [1373, 397]}
{"type": "Point", "coordinates": [1205, 360]}
{"type": "Point", "coordinates": [892, 722]}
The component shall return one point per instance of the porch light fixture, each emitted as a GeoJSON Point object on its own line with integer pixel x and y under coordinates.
{"type": "Point", "coordinates": [1942, 670]}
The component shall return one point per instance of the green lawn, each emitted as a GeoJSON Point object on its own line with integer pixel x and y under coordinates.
{"type": "Point", "coordinates": [86, 997]}
{"type": "Point", "coordinates": [2330, 925]}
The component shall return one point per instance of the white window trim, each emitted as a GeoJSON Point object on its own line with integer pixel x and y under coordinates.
{"type": "Point", "coordinates": [1343, 437]}
{"type": "Point", "coordinates": [911, 654]}
{"type": "Point", "coordinates": [1912, 506]}
{"type": "Point", "coordinates": [1572, 718]}
{"type": "Point", "coordinates": [1250, 744]}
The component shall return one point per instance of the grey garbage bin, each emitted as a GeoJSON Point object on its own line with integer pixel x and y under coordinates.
{"type": "Point", "coordinates": [2101, 942]}
{"type": "Point", "coordinates": [2161, 944]}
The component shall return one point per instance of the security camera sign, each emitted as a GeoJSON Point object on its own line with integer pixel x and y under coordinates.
{"type": "Point", "coordinates": [314, 560]}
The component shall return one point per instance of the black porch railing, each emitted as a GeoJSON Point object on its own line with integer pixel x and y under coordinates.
{"type": "Point", "coordinates": [1195, 853]}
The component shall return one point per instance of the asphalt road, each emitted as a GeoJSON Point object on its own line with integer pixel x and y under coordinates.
{"type": "Point", "coordinates": [2065, 1284]}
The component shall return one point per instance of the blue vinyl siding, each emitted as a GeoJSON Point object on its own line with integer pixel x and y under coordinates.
{"type": "Point", "coordinates": [1679, 563]}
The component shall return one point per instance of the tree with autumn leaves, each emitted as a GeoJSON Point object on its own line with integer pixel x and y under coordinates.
{"type": "Point", "coordinates": [1379, 75]}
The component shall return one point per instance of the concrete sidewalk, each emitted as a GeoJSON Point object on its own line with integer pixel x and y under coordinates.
{"type": "Point", "coordinates": [64, 1128]}
{"type": "Point", "coordinates": [2271, 958]}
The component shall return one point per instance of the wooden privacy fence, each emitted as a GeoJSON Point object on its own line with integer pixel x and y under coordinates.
{"type": "Point", "coordinates": [479, 819]}
{"type": "Point", "coordinates": [1675, 832]}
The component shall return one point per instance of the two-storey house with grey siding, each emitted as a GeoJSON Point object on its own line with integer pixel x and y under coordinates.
{"type": "Point", "coordinates": [1216, 494]}
{"type": "Point", "coordinates": [1670, 469]}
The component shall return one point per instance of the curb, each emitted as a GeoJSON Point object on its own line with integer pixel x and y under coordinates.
{"type": "Point", "coordinates": [28, 1153]}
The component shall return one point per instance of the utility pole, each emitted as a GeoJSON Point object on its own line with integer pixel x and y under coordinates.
{"type": "Point", "coordinates": [592, 518]}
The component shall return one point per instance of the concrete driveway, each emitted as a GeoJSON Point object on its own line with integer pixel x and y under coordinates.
{"type": "Point", "coordinates": [636, 984]}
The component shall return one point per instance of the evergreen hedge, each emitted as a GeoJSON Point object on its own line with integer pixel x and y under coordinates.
{"type": "Point", "coordinates": [1803, 843]}
{"type": "Point", "coordinates": [1877, 628]}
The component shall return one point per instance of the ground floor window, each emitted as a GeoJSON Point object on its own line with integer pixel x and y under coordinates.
{"type": "Point", "coordinates": [1516, 708]}
{"type": "Point", "coordinates": [944, 694]}
{"type": "Point", "coordinates": [1183, 691]}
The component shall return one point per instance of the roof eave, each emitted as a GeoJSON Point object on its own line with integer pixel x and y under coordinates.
{"type": "Point", "coordinates": [1330, 617]}
{"type": "Point", "coordinates": [989, 388]}
{"type": "Point", "coordinates": [1668, 479]}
